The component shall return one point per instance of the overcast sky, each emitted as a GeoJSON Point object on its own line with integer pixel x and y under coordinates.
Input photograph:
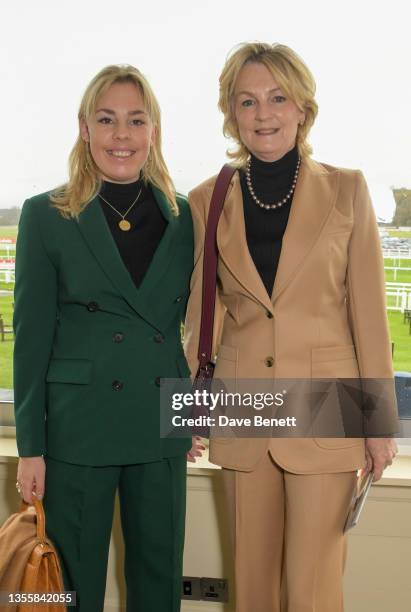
{"type": "Point", "coordinates": [358, 50]}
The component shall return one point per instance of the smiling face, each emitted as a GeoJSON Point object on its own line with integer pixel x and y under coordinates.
{"type": "Point", "coordinates": [267, 119]}
{"type": "Point", "coordinates": [119, 132]}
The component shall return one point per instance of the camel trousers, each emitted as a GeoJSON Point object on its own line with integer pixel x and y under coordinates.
{"type": "Point", "coordinates": [287, 534]}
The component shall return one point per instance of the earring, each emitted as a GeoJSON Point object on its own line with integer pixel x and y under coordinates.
{"type": "Point", "coordinates": [86, 166]}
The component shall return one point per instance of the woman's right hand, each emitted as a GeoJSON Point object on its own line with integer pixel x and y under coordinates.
{"type": "Point", "coordinates": [31, 472]}
{"type": "Point", "coordinates": [196, 449]}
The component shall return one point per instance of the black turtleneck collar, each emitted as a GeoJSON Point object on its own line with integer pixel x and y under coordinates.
{"type": "Point", "coordinates": [272, 180]}
{"type": "Point", "coordinates": [265, 228]}
{"type": "Point", "coordinates": [122, 194]}
{"type": "Point", "coordinates": [137, 245]}
{"type": "Point", "coordinates": [271, 170]}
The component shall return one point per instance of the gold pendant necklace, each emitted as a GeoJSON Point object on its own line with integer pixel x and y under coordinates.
{"type": "Point", "coordinates": [124, 225]}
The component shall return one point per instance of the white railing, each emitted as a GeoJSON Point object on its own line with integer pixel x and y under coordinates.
{"type": "Point", "coordinates": [401, 292]}
{"type": "Point", "coordinates": [7, 247]}
{"type": "Point", "coordinates": [7, 276]}
{"type": "Point", "coordinates": [397, 254]}
{"type": "Point", "coordinates": [395, 269]}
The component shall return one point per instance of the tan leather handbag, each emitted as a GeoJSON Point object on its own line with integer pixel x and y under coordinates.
{"type": "Point", "coordinates": [28, 560]}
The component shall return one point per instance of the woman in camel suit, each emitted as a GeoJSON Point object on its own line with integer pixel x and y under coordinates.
{"type": "Point", "coordinates": [300, 294]}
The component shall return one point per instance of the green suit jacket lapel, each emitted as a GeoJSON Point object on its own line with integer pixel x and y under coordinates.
{"type": "Point", "coordinates": [97, 234]}
{"type": "Point", "coordinates": [165, 250]}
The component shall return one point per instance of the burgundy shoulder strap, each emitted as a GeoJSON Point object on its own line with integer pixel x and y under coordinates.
{"type": "Point", "coordinates": [205, 346]}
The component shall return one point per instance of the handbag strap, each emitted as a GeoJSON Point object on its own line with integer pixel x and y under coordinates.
{"type": "Point", "coordinates": [41, 519]}
{"type": "Point", "coordinates": [205, 345]}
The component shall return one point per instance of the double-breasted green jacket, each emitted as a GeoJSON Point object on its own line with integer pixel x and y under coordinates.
{"type": "Point", "coordinates": [91, 347]}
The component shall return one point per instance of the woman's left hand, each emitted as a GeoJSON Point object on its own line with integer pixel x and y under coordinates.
{"type": "Point", "coordinates": [196, 449]}
{"type": "Point", "coordinates": [379, 453]}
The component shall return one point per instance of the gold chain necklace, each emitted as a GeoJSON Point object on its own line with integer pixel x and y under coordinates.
{"type": "Point", "coordinates": [257, 200]}
{"type": "Point", "coordinates": [124, 225]}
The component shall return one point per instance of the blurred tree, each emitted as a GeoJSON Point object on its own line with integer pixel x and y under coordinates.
{"type": "Point", "coordinates": [10, 216]}
{"type": "Point", "coordinates": [402, 215]}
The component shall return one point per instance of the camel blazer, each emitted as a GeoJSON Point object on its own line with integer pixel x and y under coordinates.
{"type": "Point", "coordinates": [326, 316]}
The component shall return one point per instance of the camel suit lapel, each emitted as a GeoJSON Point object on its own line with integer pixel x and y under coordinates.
{"type": "Point", "coordinates": [313, 201]}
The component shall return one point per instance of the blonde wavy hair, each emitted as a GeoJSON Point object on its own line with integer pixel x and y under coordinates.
{"type": "Point", "coordinates": [84, 176]}
{"type": "Point", "coordinates": [292, 75]}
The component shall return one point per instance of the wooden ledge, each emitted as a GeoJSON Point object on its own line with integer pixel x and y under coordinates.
{"type": "Point", "coordinates": [396, 475]}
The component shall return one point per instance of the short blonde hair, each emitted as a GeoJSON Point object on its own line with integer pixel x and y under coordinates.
{"type": "Point", "coordinates": [84, 181]}
{"type": "Point", "coordinates": [292, 75]}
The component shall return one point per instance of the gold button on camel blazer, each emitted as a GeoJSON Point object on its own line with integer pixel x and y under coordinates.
{"type": "Point", "coordinates": [326, 316]}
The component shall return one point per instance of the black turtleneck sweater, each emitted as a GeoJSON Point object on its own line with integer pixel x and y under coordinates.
{"type": "Point", "coordinates": [265, 228]}
{"type": "Point", "coordinates": [138, 245]}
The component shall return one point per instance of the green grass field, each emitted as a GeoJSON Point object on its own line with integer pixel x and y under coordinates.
{"type": "Point", "coordinates": [402, 341]}
{"type": "Point", "coordinates": [6, 232]}
{"type": "Point", "coordinates": [6, 347]}
{"type": "Point", "coordinates": [9, 231]}
{"type": "Point", "coordinates": [401, 276]}
{"type": "Point", "coordinates": [398, 329]}
{"type": "Point", "coordinates": [400, 233]}
{"type": "Point", "coordinates": [6, 253]}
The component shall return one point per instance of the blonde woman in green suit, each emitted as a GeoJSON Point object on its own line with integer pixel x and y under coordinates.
{"type": "Point", "coordinates": [102, 277]}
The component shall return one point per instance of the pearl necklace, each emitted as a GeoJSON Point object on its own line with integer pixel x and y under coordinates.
{"type": "Point", "coordinates": [277, 204]}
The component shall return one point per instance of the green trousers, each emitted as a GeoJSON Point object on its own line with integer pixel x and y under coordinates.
{"type": "Point", "coordinates": [79, 505]}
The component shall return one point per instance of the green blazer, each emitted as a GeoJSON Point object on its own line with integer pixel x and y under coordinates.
{"type": "Point", "coordinates": [90, 347]}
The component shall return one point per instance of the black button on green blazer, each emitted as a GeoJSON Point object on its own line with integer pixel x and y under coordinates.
{"type": "Point", "coordinates": [90, 347]}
